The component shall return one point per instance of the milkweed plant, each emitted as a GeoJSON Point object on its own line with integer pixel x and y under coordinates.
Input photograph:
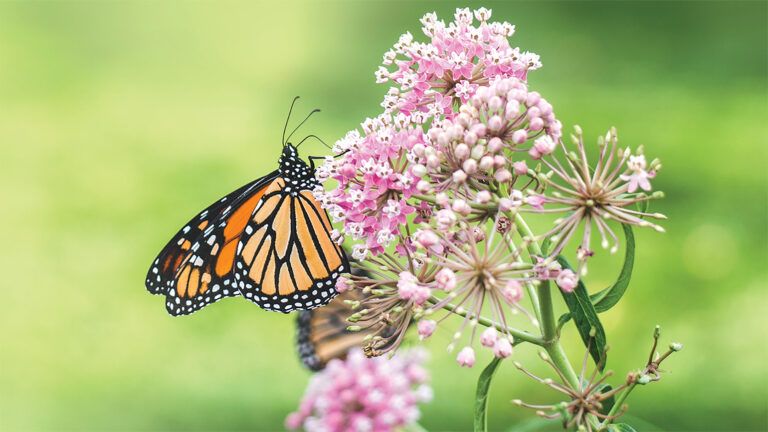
{"type": "Point", "coordinates": [473, 211]}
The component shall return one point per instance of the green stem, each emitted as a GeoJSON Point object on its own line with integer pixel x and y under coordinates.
{"type": "Point", "coordinates": [519, 335]}
{"type": "Point", "coordinates": [547, 313]}
{"type": "Point", "coordinates": [551, 339]}
{"type": "Point", "coordinates": [618, 404]}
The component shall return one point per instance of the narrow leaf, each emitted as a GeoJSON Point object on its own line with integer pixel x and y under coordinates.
{"type": "Point", "coordinates": [586, 319]}
{"type": "Point", "coordinates": [607, 298]}
{"type": "Point", "coordinates": [481, 399]}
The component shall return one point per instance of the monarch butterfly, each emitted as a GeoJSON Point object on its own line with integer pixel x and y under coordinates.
{"type": "Point", "coordinates": [268, 241]}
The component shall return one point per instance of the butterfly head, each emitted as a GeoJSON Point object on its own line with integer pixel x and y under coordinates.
{"type": "Point", "coordinates": [294, 170]}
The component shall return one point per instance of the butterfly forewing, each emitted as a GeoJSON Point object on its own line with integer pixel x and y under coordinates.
{"type": "Point", "coordinates": [269, 241]}
{"type": "Point", "coordinates": [194, 269]}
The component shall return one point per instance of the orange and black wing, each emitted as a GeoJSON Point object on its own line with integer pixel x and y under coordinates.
{"type": "Point", "coordinates": [195, 268]}
{"type": "Point", "coordinates": [322, 333]}
{"type": "Point", "coordinates": [287, 259]}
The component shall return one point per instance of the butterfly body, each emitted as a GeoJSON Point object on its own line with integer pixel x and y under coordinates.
{"type": "Point", "coordinates": [268, 241]}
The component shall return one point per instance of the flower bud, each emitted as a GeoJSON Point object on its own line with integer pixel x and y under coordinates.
{"type": "Point", "coordinates": [445, 279]}
{"type": "Point", "coordinates": [419, 170]}
{"type": "Point", "coordinates": [426, 327]}
{"type": "Point", "coordinates": [470, 166]}
{"type": "Point", "coordinates": [470, 138]}
{"type": "Point", "coordinates": [505, 204]}
{"type": "Point", "coordinates": [495, 145]}
{"type": "Point", "coordinates": [502, 175]}
{"type": "Point", "coordinates": [502, 348]}
{"type": "Point", "coordinates": [466, 357]}
{"type": "Point", "coordinates": [494, 104]}
{"type": "Point", "coordinates": [489, 337]}
{"type": "Point", "coordinates": [479, 130]}
{"type": "Point", "coordinates": [512, 292]}
{"type": "Point", "coordinates": [426, 238]}
{"type": "Point", "coordinates": [433, 161]}
{"type": "Point", "coordinates": [495, 123]}
{"type": "Point", "coordinates": [512, 109]}
{"type": "Point", "coordinates": [499, 161]}
{"type": "Point", "coordinates": [461, 151]}
{"type": "Point", "coordinates": [519, 136]}
{"type": "Point", "coordinates": [461, 207]}
{"type": "Point", "coordinates": [423, 186]}
{"type": "Point", "coordinates": [520, 168]}
{"type": "Point", "coordinates": [442, 199]}
{"type": "Point", "coordinates": [483, 197]}
{"type": "Point", "coordinates": [532, 99]}
{"type": "Point", "coordinates": [486, 163]}
{"type": "Point", "coordinates": [445, 219]}
{"type": "Point", "coordinates": [536, 124]}
{"type": "Point", "coordinates": [567, 280]}
{"type": "Point", "coordinates": [459, 176]}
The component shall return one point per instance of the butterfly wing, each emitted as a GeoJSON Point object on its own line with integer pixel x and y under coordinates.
{"type": "Point", "coordinates": [194, 269]}
{"type": "Point", "coordinates": [322, 333]}
{"type": "Point", "coordinates": [287, 259]}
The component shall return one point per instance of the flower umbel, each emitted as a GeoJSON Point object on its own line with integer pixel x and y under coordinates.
{"type": "Point", "coordinates": [364, 394]}
{"type": "Point", "coordinates": [591, 195]}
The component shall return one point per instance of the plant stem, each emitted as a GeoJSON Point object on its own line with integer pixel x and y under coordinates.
{"type": "Point", "coordinates": [547, 313]}
{"type": "Point", "coordinates": [618, 404]}
{"type": "Point", "coordinates": [519, 335]}
{"type": "Point", "coordinates": [551, 339]}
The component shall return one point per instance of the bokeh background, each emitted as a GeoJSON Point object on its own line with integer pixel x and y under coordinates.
{"type": "Point", "coordinates": [120, 120]}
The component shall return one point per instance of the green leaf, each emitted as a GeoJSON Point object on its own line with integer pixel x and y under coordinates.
{"type": "Point", "coordinates": [607, 298]}
{"type": "Point", "coordinates": [481, 399]}
{"type": "Point", "coordinates": [621, 427]}
{"type": "Point", "coordinates": [585, 317]}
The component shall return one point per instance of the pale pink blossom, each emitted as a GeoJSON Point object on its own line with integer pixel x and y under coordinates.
{"type": "Point", "coordinates": [567, 280]}
{"type": "Point", "coordinates": [466, 357]}
{"type": "Point", "coordinates": [364, 394]}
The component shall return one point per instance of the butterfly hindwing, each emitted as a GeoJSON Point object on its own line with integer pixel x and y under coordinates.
{"type": "Point", "coordinates": [287, 259]}
{"type": "Point", "coordinates": [322, 333]}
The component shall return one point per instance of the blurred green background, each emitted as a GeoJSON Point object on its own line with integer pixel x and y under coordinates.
{"type": "Point", "coordinates": [120, 120]}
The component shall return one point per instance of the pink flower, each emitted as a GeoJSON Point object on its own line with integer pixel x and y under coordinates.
{"type": "Point", "coordinates": [407, 286]}
{"type": "Point", "coordinates": [425, 328]}
{"type": "Point", "coordinates": [567, 280]}
{"type": "Point", "coordinates": [502, 348]}
{"type": "Point", "coordinates": [639, 176]}
{"type": "Point", "coordinates": [445, 219]}
{"type": "Point", "coordinates": [343, 284]}
{"type": "Point", "coordinates": [542, 147]}
{"type": "Point", "coordinates": [445, 279]}
{"type": "Point", "coordinates": [372, 394]}
{"type": "Point", "coordinates": [512, 292]}
{"type": "Point", "coordinates": [466, 357]}
{"type": "Point", "coordinates": [456, 59]}
{"type": "Point", "coordinates": [489, 337]}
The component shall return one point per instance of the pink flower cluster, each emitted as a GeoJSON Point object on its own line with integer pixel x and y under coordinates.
{"type": "Point", "coordinates": [364, 394]}
{"type": "Point", "coordinates": [459, 57]}
{"type": "Point", "coordinates": [374, 181]}
{"type": "Point", "coordinates": [477, 146]}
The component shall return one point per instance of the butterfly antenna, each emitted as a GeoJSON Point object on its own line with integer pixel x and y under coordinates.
{"type": "Point", "coordinates": [304, 121]}
{"type": "Point", "coordinates": [315, 137]}
{"type": "Point", "coordinates": [290, 110]}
